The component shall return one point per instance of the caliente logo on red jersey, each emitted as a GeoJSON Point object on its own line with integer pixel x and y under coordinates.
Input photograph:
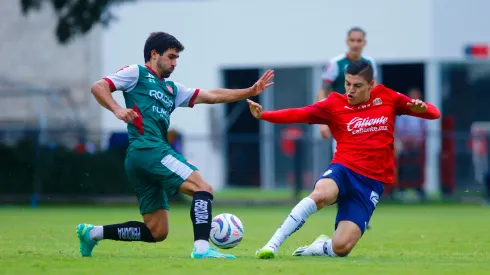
{"type": "Point", "coordinates": [363, 125]}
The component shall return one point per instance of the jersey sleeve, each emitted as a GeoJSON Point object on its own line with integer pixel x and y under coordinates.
{"type": "Point", "coordinates": [401, 107]}
{"type": "Point", "coordinates": [185, 96]}
{"type": "Point", "coordinates": [123, 80]}
{"type": "Point", "coordinates": [331, 72]}
{"type": "Point", "coordinates": [400, 100]}
{"type": "Point", "coordinates": [320, 112]}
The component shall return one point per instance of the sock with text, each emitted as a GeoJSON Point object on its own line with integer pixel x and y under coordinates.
{"type": "Point", "coordinates": [201, 216]}
{"type": "Point", "coordinates": [131, 231]}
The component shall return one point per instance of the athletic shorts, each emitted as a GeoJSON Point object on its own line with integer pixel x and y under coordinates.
{"type": "Point", "coordinates": [155, 175]}
{"type": "Point", "coordinates": [358, 195]}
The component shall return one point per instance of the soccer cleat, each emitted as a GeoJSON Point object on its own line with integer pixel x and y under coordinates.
{"type": "Point", "coordinates": [265, 253]}
{"type": "Point", "coordinates": [314, 249]}
{"type": "Point", "coordinates": [209, 254]}
{"type": "Point", "coordinates": [86, 243]}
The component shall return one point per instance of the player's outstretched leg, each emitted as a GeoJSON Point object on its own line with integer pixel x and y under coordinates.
{"type": "Point", "coordinates": [201, 216]}
{"type": "Point", "coordinates": [325, 193]}
{"type": "Point", "coordinates": [89, 235]}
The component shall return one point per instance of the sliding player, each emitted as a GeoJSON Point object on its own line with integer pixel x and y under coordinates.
{"type": "Point", "coordinates": [362, 121]}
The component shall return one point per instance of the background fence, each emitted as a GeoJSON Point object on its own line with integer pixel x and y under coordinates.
{"type": "Point", "coordinates": [70, 168]}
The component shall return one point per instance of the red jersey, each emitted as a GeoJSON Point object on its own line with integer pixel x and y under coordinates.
{"type": "Point", "coordinates": [364, 132]}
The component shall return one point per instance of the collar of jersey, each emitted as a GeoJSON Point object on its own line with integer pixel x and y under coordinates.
{"type": "Point", "coordinates": [352, 59]}
{"type": "Point", "coordinates": [154, 73]}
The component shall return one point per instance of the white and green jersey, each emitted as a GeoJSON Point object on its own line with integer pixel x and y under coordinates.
{"type": "Point", "coordinates": [153, 99]}
{"type": "Point", "coordinates": [335, 69]}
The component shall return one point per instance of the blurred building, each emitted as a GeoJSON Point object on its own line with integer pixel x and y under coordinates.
{"type": "Point", "coordinates": [42, 83]}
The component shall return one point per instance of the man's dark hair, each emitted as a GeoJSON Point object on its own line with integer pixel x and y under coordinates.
{"type": "Point", "coordinates": [356, 29]}
{"type": "Point", "coordinates": [362, 68]}
{"type": "Point", "coordinates": [161, 42]}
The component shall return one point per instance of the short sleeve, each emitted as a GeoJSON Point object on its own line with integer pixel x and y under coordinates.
{"type": "Point", "coordinates": [331, 72]}
{"type": "Point", "coordinates": [185, 96]}
{"type": "Point", "coordinates": [319, 112]}
{"type": "Point", "coordinates": [124, 80]}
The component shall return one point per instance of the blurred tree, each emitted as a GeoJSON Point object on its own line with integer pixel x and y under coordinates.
{"type": "Point", "coordinates": [75, 17]}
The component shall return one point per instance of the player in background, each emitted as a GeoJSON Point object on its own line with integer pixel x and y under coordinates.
{"type": "Point", "coordinates": [333, 76]}
{"type": "Point", "coordinates": [362, 121]}
{"type": "Point", "coordinates": [153, 168]}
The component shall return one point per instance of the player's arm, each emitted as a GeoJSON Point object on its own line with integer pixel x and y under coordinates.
{"type": "Point", "coordinates": [221, 95]}
{"type": "Point", "coordinates": [312, 114]}
{"type": "Point", "coordinates": [124, 80]}
{"type": "Point", "coordinates": [102, 92]}
{"type": "Point", "coordinates": [329, 75]}
{"type": "Point", "coordinates": [415, 107]}
{"type": "Point", "coordinates": [375, 70]}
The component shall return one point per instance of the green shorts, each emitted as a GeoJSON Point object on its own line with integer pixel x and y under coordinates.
{"type": "Point", "coordinates": [155, 175]}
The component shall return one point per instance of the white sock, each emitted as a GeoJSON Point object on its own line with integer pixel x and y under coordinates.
{"type": "Point", "coordinates": [97, 233]}
{"type": "Point", "coordinates": [201, 246]}
{"type": "Point", "coordinates": [328, 250]}
{"type": "Point", "coordinates": [293, 222]}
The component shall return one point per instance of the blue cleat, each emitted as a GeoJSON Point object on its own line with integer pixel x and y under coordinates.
{"type": "Point", "coordinates": [86, 243]}
{"type": "Point", "coordinates": [210, 253]}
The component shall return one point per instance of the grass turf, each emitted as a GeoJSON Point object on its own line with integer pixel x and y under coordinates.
{"type": "Point", "coordinates": [405, 239]}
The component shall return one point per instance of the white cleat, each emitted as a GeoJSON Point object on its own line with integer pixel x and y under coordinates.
{"type": "Point", "coordinates": [314, 249]}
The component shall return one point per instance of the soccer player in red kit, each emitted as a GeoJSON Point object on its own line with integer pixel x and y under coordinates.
{"type": "Point", "coordinates": [362, 121]}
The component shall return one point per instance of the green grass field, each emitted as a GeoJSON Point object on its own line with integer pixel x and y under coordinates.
{"type": "Point", "coordinates": [410, 239]}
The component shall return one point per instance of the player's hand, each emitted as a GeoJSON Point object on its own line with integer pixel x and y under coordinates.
{"type": "Point", "coordinates": [263, 83]}
{"type": "Point", "coordinates": [255, 109]}
{"type": "Point", "coordinates": [125, 115]}
{"type": "Point", "coordinates": [325, 132]}
{"type": "Point", "coordinates": [417, 106]}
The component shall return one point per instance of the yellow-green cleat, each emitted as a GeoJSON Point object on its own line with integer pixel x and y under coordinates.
{"type": "Point", "coordinates": [265, 253]}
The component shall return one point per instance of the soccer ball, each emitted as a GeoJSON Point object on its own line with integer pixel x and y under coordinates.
{"type": "Point", "coordinates": [226, 231]}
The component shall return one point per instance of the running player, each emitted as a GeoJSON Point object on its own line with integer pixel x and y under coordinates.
{"type": "Point", "coordinates": [153, 168]}
{"type": "Point", "coordinates": [362, 121]}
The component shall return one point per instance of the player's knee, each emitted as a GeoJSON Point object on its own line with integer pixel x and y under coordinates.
{"type": "Point", "coordinates": [159, 234]}
{"type": "Point", "coordinates": [319, 198]}
{"type": "Point", "coordinates": [342, 247]}
{"type": "Point", "coordinates": [325, 193]}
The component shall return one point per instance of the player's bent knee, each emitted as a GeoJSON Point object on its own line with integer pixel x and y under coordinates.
{"type": "Point", "coordinates": [342, 249]}
{"type": "Point", "coordinates": [160, 235]}
{"type": "Point", "coordinates": [325, 193]}
{"type": "Point", "coordinates": [157, 223]}
{"type": "Point", "coordinates": [319, 198]}
{"type": "Point", "coordinates": [159, 231]}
